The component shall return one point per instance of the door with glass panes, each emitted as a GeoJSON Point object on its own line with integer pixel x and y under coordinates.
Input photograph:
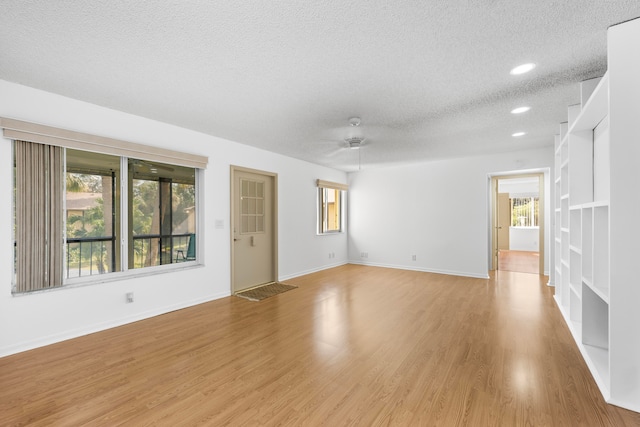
{"type": "Point", "coordinates": [253, 229]}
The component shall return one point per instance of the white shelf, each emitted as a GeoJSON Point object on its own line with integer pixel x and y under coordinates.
{"type": "Point", "coordinates": [575, 226]}
{"type": "Point", "coordinates": [587, 244]}
{"type": "Point", "coordinates": [595, 336]}
{"type": "Point", "coordinates": [576, 290]}
{"type": "Point", "coordinates": [574, 327]}
{"type": "Point", "coordinates": [601, 293]}
{"type": "Point", "coordinates": [575, 308]}
{"type": "Point", "coordinates": [598, 204]}
{"type": "Point", "coordinates": [597, 358]}
{"type": "Point", "coordinates": [598, 362]}
{"type": "Point", "coordinates": [595, 168]}
{"type": "Point", "coordinates": [601, 251]}
{"type": "Point", "coordinates": [595, 109]}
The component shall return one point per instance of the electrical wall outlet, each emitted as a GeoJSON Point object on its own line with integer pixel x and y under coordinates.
{"type": "Point", "coordinates": [413, 257]}
{"type": "Point", "coordinates": [129, 297]}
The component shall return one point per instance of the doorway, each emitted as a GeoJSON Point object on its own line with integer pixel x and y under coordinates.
{"type": "Point", "coordinates": [254, 231]}
{"type": "Point", "coordinates": [518, 223]}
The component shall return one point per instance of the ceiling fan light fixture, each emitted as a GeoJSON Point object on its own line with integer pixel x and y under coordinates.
{"type": "Point", "coordinates": [354, 142]}
{"type": "Point", "coordinates": [355, 136]}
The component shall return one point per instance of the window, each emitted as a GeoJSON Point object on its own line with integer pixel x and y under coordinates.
{"type": "Point", "coordinates": [81, 213]}
{"type": "Point", "coordinates": [163, 201]}
{"type": "Point", "coordinates": [524, 211]}
{"type": "Point", "coordinates": [330, 207]}
{"type": "Point", "coordinates": [92, 213]}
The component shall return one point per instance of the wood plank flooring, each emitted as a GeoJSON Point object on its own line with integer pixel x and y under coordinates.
{"type": "Point", "coordinates": [353, 345]}
{"type": "Point", "coordinates": [520, 261]}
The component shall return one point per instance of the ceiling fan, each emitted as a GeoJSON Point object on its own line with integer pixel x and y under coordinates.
{"type": "Point", "coordinates": [355, 136]}
{"type": "Point", "coordinates": [354, 139]}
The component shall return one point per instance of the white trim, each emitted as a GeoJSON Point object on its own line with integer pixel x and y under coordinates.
{"type": "Point", "coordinates": [102, 326]}
{"type": "Point", "coordinates": [424, 270]}
{"type": "Point", "coordinates": [312, 270]}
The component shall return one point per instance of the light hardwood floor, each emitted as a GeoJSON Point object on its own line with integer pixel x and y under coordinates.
{"type": "Point", "coordinates": [353, 345]}
{"type": "Point", "coordinates": [520, 261]}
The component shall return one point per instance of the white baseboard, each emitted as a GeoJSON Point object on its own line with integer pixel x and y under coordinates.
{"type": "Point", "coordinates": [425, 270]}
{"type": "Point", "coordinates": [97, 327]}
{"type": "Point", "coordinates": [313, 270]}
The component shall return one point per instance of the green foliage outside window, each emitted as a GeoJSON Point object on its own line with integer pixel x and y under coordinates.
{"type": "Point", "coordinates": [93, 222]}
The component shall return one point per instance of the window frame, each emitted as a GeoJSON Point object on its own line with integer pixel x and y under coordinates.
{"type": "Point", "coordinates": [34, 133]}
{"type": "Point", "coordinates": [534, 203]}
{"type": "Point", "coordinates": [127, 270]}
{"type": "Point", "coordinates": [341, 192]}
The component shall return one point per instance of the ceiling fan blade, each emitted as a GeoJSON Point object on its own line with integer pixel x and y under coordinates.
{"type": "Point", "coordinates": [335, 152]}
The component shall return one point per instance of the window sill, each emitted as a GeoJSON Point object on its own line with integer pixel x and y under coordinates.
{"type": "Point", "coordinates": [116, 277]}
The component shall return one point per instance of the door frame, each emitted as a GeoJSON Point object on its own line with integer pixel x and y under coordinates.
{"type": "Point", "coordinates": [274, 215]}
{"type": "Point", "coordinates": [493, 256]}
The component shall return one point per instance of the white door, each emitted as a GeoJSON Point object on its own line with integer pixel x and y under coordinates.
{"type": "Point", "coordinates": [253, 229]}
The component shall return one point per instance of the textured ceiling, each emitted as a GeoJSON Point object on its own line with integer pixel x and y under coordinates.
{"type": "Point", "coordinates": [430, 79]}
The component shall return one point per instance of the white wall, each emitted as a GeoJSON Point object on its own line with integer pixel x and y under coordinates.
{"type": "Point", "coordinates": [435, 210]}
{"type": "Point", "coordinates": [524, 238]}
{"type": "Point", "coordinates": [517, 186]}
{"type": "Point", "coordinates": [28, 321]}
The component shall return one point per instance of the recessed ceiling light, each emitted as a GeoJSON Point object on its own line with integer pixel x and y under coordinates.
{"type": "Point", "coordinates": [520, 110]}
{"type": "Point", "coordinates": [517, 134]}
{"type": "Point", "coordinates": [524, 68]}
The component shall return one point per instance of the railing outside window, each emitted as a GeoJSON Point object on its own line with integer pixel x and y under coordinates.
{"type": "Point", "coordinates": [152, 249]}
{"type": "Point", "coordinates": [87, 256]}
{"type": "Point", "coordinates": [90, 256]}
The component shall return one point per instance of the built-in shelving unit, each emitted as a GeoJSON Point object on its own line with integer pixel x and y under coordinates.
{"type": "Point", "coordinates": [597, 250]}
